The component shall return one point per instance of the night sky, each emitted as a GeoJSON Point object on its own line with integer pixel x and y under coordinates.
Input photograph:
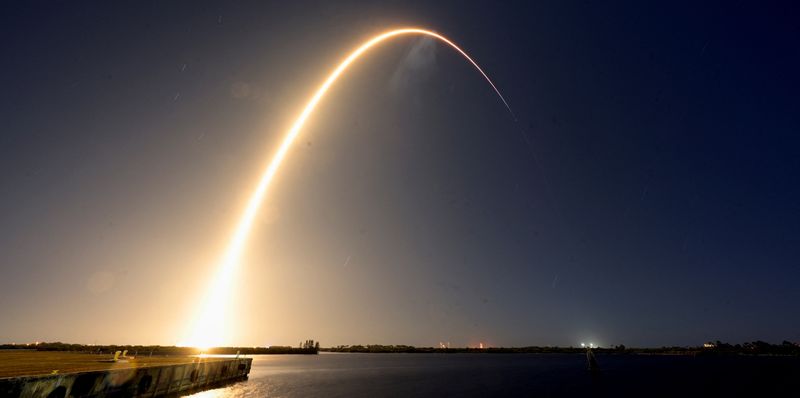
{"type": "Point", "coordinates": [648, 194]}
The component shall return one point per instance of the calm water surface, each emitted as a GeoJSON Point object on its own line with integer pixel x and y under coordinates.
{"type": "Point", "coordinates": [542, 375]}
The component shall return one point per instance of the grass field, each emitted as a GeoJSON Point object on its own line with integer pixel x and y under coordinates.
{"type": "Point", "coordinates": [15, 363]}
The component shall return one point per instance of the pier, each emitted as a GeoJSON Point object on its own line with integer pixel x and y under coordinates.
{"type": "Point", "coordinates": [40, 374]}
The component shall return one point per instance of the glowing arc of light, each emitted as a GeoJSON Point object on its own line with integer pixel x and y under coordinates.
{"type": "Point", "coordinates": [210, 325]}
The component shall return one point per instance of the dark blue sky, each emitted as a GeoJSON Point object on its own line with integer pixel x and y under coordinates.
{"type": "Point", "coordinates": [647, 195]}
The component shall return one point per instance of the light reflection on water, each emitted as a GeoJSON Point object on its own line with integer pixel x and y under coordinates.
{"type": "Point", "coordinates": [347, 375]}
{"type": "Point", "coordinates": [468, 375]}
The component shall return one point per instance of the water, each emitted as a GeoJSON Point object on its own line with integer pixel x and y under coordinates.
{"type": "Point", "coordinates": [545, 375]}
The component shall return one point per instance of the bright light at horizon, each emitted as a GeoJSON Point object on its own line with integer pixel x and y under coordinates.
{"type": "Point", "coordinates": [211, 326]}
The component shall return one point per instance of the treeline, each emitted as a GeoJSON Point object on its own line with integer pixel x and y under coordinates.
{"type": "Point", "coordinates": [754, 348]}
{"type": "Point", "coordinates": [407, 349]}
{"type": "Point", "coordinates": [105, 349]}
{"type": "Point", "coordinates": [275, 349]}
{"type": "Point", "coordinates": [309, 345]}
{"type": "Point", "coordinates": [142, 350]}
{"type": "Point", "coordinates": [719, 348]}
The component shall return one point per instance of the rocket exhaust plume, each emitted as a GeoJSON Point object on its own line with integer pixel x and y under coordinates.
{"type": "Point", "coordinates": [210, 327]}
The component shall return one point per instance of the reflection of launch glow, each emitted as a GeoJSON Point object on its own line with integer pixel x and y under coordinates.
{"type": "Point", "coordinates": [210, 327]}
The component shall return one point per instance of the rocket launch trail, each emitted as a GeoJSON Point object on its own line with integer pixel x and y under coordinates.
{"type": "Point", "coordinates": [210, 328]}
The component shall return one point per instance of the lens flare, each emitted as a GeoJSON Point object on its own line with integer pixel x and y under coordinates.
{"type": "Point", "coordinates": [211, 327]}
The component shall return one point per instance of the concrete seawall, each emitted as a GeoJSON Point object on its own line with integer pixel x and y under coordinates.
{"type": "Point", "coordinates": [154, 381]}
